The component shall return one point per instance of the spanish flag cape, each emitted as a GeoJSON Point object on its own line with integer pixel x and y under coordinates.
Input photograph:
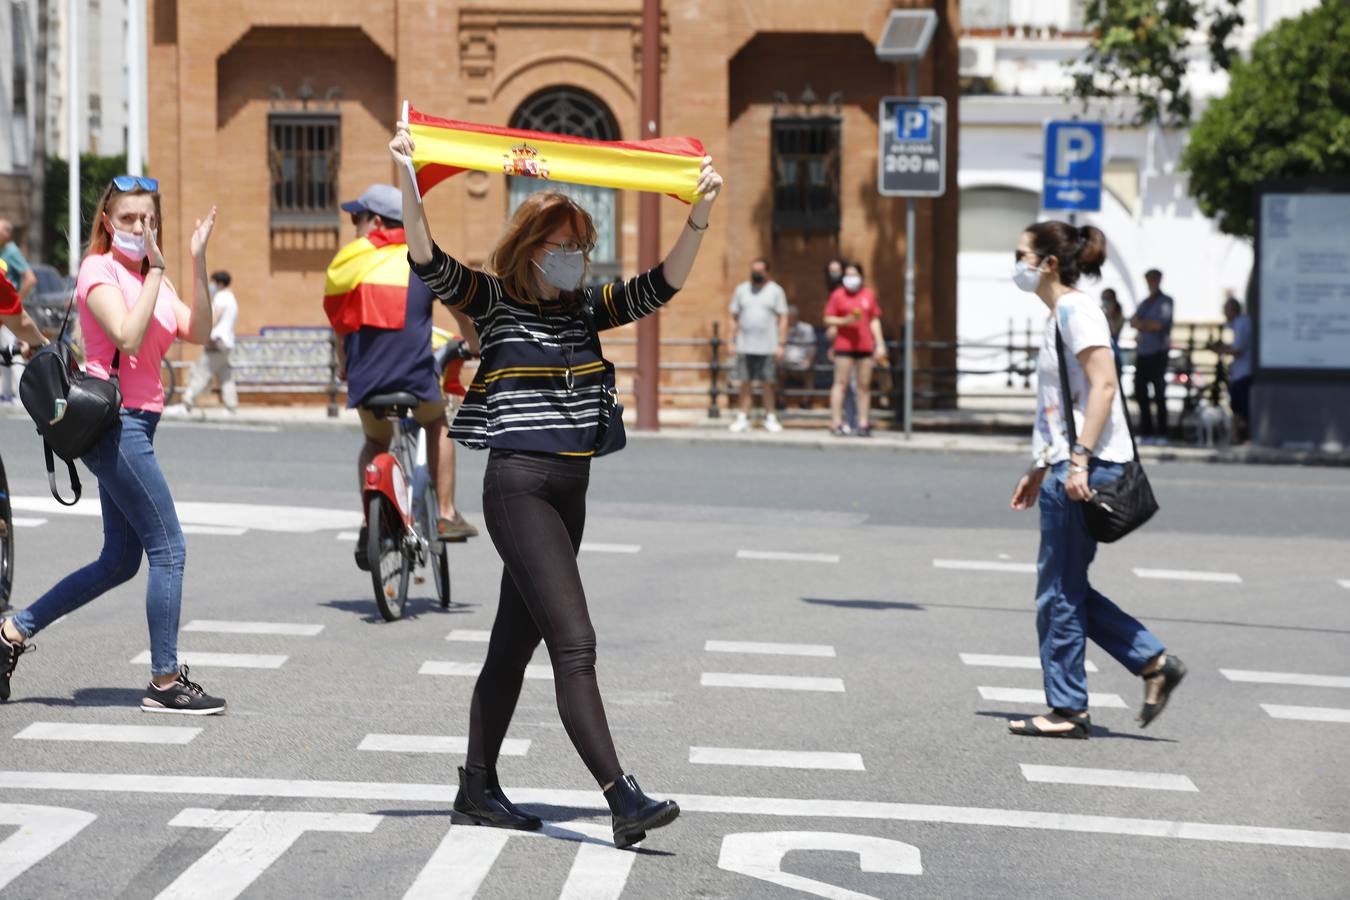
{"type": "Point", "coordinates": [10, 305]}
{"type": "Point", "coordinates": [444, 147]}
{"type": "Point", "coordinates": [368, 283]}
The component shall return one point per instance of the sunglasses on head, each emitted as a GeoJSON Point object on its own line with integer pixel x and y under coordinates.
{"type": "Point", "coordinates": [132, 182]}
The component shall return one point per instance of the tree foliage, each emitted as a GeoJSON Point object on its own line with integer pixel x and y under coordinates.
{"type": "Point", "coordinates": [1141, 49]}
{"type": "Point", "coordinates": [95, 173]}
{"type": "Point", "coordinates": [1286, 115]}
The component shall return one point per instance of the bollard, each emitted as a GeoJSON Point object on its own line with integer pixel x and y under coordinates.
{"type": "Point", "coordinates": [1026, 373]}
{"type": "Point", "coordinates": [332, 376]}
{"type": "Point", "coordinates": [1012, 353]}
{"type": "Point", "coordinates": [714, 371]}
{"type": "Point", "coordinates": [897, 386]}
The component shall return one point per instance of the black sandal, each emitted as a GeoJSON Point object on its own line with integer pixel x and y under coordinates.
{"type": "Point", "coordinates": [1081, 730]}
{"type": "Point", "coordinates": [1171, 671]}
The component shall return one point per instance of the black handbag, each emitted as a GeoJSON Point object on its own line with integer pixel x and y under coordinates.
{"type": "Point", "coordinates": [612, 437]}
{"type": "Point", "coordinates": [1115, 509]}
{"type": "Point", "coordinates": [72, 409]}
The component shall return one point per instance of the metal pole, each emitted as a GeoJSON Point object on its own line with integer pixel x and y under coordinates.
{"type": "Point", "coordinates": [649, 225]}
{"type": "Point", "coordinates": [136, 87]}
{"type": "Point", "coordinates": [911, 91]}
{"type": "Point", "coordinates": [73, 138]}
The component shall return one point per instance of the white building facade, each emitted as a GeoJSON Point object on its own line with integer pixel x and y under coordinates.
{"type": "Point", "coordinates": [1015, 51]}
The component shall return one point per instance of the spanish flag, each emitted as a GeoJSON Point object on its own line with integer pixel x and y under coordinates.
{"type": "Point", "coordinates": [443, 147]}
{"type": "Point", "coordinates": [368, 283]}
{"type": "Point", "coordinates": [10, 304]}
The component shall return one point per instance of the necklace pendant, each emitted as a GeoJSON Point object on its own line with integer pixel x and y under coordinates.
{"type": "Point", "coordinates": [569, 379]}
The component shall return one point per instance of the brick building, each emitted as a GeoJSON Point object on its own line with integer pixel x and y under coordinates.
{"type": "Point", "coordinates": [275, 110]}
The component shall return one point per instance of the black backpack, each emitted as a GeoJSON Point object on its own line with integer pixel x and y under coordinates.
{"type": "Point", "coordinates": [71, 408]}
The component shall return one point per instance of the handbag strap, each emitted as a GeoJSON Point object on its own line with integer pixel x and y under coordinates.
{"type": "Point", "coordinates": [51, 476]}
{"type": "Point", "coordinates": [1066, 398]}
{"type": "Point", "coordinates": [60, 336]}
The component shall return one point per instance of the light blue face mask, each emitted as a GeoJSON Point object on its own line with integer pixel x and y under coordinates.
{"type": "Point", "coordinates": [1026, 276]}
{"type": "Point", "coordinates": [563, 269]}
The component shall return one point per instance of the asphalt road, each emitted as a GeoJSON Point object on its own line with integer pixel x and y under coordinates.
{"type": "Point", "coordinates": [883, 765]}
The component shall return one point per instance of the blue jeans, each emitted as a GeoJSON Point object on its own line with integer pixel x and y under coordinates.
{"type": "Point", "coordinates": [138, 517]}
{"type": "Point", "coordinates": [1068, 609]}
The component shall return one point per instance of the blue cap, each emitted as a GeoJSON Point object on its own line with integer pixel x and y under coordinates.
{"type": "Point", "coordinates": [384, 200]}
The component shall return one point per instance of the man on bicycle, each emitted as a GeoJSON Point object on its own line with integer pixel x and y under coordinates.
{"type": "Point", "coordinates": [12, 315]}
{"type": "Point", "coordinates": [382, 315]}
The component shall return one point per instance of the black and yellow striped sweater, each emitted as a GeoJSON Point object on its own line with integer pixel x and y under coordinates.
{"type": "Point", "coordinates": [541, 384]}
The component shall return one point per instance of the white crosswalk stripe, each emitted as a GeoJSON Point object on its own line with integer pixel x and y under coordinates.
{"type": "Point", "coordinates": [469, 635]}
{"type": "Point", "coordinates": [1189, 575]}
{"type": "Point", "coordinates": [588, 547]}
{"type": "Point", "coordinates": [27, 522]}
{"type": "Point", "coordinates": [769, 649]}
{"type": "Point", "coordinates": [985, 565]}
{"type": "Point", "coordinates": [772, 682]}
{"type": "Point", "coordinates": [1028, 695]}
{"type": "Point", "coordinates": [111, 734]}
{"type": "Point", "coordinates": [1344, 582]}
{"type": "Point", "coordinates": [784, 556]}
{"type": "Point", "coordinates": [221, 660]}
{"type": "Point", "coordinates": [1294, 678]}
{"type": "Point", "coordinates": [1011, 662]}
{"type": "Point", "coordinates": [1307, 713]}
{"type": "Point", "coordinates": [776, 759]}
{"type": "Point", "coordinates": [220, 530]}
{"type": "Point", "coordinates": [434, 743]}
{"type": "Point", "coordinates": [1153, 781]}
{"type": "Point", "coordinates": [214, 626]}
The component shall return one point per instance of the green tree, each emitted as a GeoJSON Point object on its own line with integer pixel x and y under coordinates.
{"type": "Point", "coordinates": [95, 173]}
{"type": "Point", "coordinates": [1286, 115]}
{"type": "Point", "coordinates": [1140, 50]}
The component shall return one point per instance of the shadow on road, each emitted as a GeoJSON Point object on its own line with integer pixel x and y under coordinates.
{"type": "Point", "coordinates": [100, 696]}
{"type": "Point", "coordinates": [864, 604]}
{"type": "Point", "coordinates": [1098, 731]}
{"type": "Point", "coordinates": [370, 613]}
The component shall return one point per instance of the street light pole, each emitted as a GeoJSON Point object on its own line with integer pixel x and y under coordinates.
{"type": "Point", "coordinates": [73, 138]}
{"type": "Point", "coordinates": [912, 90]}
{"type": "Point", "coordinates": [136, 87]}
{"type": "Point", "coordinates": [649, 225]}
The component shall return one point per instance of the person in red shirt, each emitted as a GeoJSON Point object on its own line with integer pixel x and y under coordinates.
{"type": "Point", "coordinates": [853, 312]}
{"type": "Point", "coordinates": [13, 315]}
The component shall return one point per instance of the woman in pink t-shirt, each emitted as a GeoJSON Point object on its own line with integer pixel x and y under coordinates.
{"type": "Point", "coordinates": [852, 311]}
{"type": "Point", "coordinates": [130, 315]}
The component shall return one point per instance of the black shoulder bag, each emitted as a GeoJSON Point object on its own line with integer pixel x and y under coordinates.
{"type": "Point", "coordinates": [1118, 508]}
{"type": "Point", "coordinates": [612, 436]}
{"type": "Point", "coordinates": [71, 408]}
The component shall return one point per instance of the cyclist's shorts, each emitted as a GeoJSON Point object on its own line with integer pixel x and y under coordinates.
{"type": "Point", "coordinates": [382, 430]}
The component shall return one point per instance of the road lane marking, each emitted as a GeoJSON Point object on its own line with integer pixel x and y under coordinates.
{"type": "Point", "coordinates": [1344, 582]}
{"type": "Point", "coordinates": [217, 626]}
{"type": "Point", "coordinates": [434, 743]}
{"type": "Point", "coordinates": [253, 516]}
{"type": "Point", "coordinates": [1026, 695]}
{"type": "Point", "coordinates": [348, 535]}
{"type": "Point", "coordinates": [221, 660]}
{"type": "Point", "coordinates": [471, 669]}
{"type": "Point", "coordinates": [776, 759]}
{"type": "Point", "coordinates": [221, 530]}
{"type": "Point", "coordinates": [1152, 781]}
{"type": "Point", "coordinates": [760, 855]}
{"type": "Point", "coordinates": [1011, 662]}
{"type": "Point", "coordinates": [441, 795]}
{"type": "Point", "coordinates": [772, 682]}
{"type": "Point", "coordinates": [610, 548]}
{"type": "Point", "coordinates": [26, 522]}
{"type": "Point", "coordinates": [788, 557]}
{"type": "Point", "coordinates": [769, 649]}
{"type": "Point", "coordinates": [1189, 575]}
{"type": "Point", "coordinates": [1307, 713]}
{"type": "Point", "coordinates": [471, 635]}
{"type": "Point", "coordinates": [254, 839]}
{"type": "Point", "coordinates": [42, 830]}
{"type": "Point", "coordinates": [111, 734]}
{"type": "Point", "coordinates": [983, 565]}
{"type": "Point", "coordinates": [1285, 678]}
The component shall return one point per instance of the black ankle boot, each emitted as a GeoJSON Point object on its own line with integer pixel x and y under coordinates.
{"type": "Point", "coordinates": [635, 812]}
{"type": "Point", "coordinates": [494, 789]}
{"type": "Point", "coordinates": [476, 804]}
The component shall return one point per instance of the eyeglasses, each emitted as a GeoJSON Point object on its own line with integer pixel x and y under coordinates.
{"type": "Point", "coordinates": [132, 182]}
{"type": "Point", "coordinates": [1019, 254]}
{"type": "Point", "coordinates": [572, 247]}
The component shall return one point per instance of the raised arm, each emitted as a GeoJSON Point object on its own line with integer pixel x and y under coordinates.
{"type": "Point", "coordinates": [680, 260]}
{"type": "Point", "coordinates": [415, 225]}
{"type": "Point", "coordinates": [195, 322]}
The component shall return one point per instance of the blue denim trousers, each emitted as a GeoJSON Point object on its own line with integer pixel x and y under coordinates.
{"type": "Point", "coordinates": [138, 518]}
{"type": "Point", "coordinates": [1069, 610]}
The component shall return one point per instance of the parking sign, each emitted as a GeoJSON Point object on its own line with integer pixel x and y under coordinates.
{"type": "Point", "coordinates": [1074, 152]}
{"type": "Point", "coordinates": [911, 160]}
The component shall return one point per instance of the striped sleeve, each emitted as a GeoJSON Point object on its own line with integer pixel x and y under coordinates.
{"type": "Point", "coordinates": [460, 288]}
{"type": "Point", "coordinates": [619, 303]}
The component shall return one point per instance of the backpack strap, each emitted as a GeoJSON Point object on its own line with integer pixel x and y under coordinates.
{"type": "Point", "coordinates": [51, 475]}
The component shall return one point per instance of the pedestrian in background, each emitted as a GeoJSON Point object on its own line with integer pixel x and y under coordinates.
{"type": "Point", "coordinates": [1115, 321]}
{"type": "Point", "coordinates": [1240, 369]}
{"type": "Point", "coordinates": [131, 315]}
{"type": "Point", "coordinates": [799, 359]}
{"type": "Point", "coordinates": [1153, 321]}
{"type": "Point", "coordinates": [853, 312]}
{"type": "Point", "coordinates": [20, 274]}
{"type": "Point", "coordinates": [758, 331]}
{"type": "Point", "coordinates": [215, 359]}
{"type": "Point", "coordinates": [1051, 257]}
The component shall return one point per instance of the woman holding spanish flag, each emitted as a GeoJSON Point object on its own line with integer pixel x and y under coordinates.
{"type": "Point", "coordinates": [540, 404]}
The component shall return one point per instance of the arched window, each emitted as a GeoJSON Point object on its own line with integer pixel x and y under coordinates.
{"type": "Point", "coordinates": [570, 111]}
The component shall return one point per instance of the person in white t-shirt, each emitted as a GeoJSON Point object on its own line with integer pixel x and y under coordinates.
{"type": "Point", "coordinates": [1050, 258]}
{"type": "Point", "coordinates": [215, 359]}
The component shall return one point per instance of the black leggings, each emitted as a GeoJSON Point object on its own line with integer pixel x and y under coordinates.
{"type": "Point", "coordinates": [535, 508]}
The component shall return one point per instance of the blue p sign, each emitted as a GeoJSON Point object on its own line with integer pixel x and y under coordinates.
{"type": "Point", "coordinates": [911, 123]}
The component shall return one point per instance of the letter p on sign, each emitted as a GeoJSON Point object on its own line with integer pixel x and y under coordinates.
{"type": "Point", "coordinates": [1072, 145]}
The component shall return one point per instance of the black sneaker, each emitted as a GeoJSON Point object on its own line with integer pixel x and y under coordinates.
{"type": "Point", "coordinates": [9, 658]}
{"type": "Point", "coordinates": [362, 559]}
{"type": "Point", "coordinates": [183, 697]}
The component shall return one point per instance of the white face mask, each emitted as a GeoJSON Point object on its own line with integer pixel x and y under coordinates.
{"type": "Point", "coordinates": [132, 246]}
{"type": "Point", "coordinates": [563, 269]}
{"type": "Point", "coordinates": [213, 289]}
{"type": "Point", "coordinates": [1026, 276]}
{"type": "Point", "coordinates": [852, 283]}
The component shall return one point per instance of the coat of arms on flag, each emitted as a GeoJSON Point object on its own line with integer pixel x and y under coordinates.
{"type": "Point", "coordinates": [525, 161]}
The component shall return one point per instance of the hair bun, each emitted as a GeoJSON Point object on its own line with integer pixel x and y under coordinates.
{"type": "Point", "coordinates": [1091, 253]}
